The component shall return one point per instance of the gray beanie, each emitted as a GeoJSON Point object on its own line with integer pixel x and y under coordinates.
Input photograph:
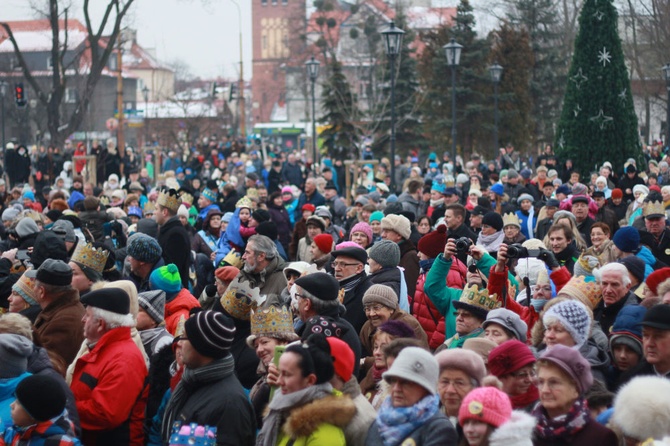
{"type": "Point", "coordinates": [381, 294]}
{"type": "Point", "coordinates": [153, 303]}
{"type": "Point", "coordinates": [26, 227]}
{"type": "Point", "coordinates": [10, 214]}
{"type": "Point", "coordinates": [386, 253]}
{"type": "Point", "coordinates": [14, 351]}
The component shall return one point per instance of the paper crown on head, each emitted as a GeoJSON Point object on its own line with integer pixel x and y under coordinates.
{"type": "Point", "coordinates": [91, 257]}
{"type": "Point", "coordinates": [169, 198]}
{"type": "Point", "coordinates": [239, 299]}
{"type": "Point", "coordinates": [542, 277]}
{"type": "Point", "coordinates": [186, 198]}
{"type": "Point", "coordinates": [511, 219]}
{"type": "Point", "coordinates": [244, 202]}
{"type": "Point", "coordinates": [149, 207]}
{"type": "Point", "coordinates": [273, 322]}
{"type": "Point", "coordinates": [654, 209]}
{"type": "Point", "coordinates": [477, 301]}
{"type": "Point", "coordinates": [233, 258]}
{"type": "Point", "coordinates": [584, 289]}
{"type": "Point", "coordinates": [179, 330]}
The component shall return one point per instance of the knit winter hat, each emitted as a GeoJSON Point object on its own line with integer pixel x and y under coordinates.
{"type": "Point", "coordinates": [10, 214]}
{"type": "Point", "coordinates": [376, 216]}
{"type": "Point", "coordinates": [41, 396]}
{"type": "Point", "coordinates": [143, 248]}
{"type": "Point", "coordinates": [572, 363]}
{"type": "Point", "coordinates": [416, 365]}
{"type": "Point", "coordinates": [153, 303]}
{"type": "Point", "coordinates": [363, 227]}
{"type": "Point", "coordinates": [573, 316]}
{"type": "Point", "coordinates": [381, 294]}
{"type": "Point", "coordinates": [260, 215]}
{"type": "Point", "coordinates": [617, 193]}
{"type": "Point", "coordinates": [166, 278]}
{"type": "Point", "coordinates": [498, 189]}
{"type": "Point", "coordinates": [627, 328]}
{"type": "Point", "coordinates": [317, 222]}
{"type": "Point", "coordinates": [636, 267]}
{"type": "Point", "coordinates": [465, 360]}
{"type": "Point", "coordinates": [26, 227]}
{"type": "Point", "coordinates": [209, 194]}
{"type": "Point", "coordinates": [494, 220]}
{"type": "Point", "coordinates": [509, 357]}
{"type": "Point", "coordinates": [386, 253]}
{"type": "Point", "coordinates": [14, 351]}
{"type": "Point", "coordinates": [226, 273]}
{"type": "Point", "coordinates": [211, 333]}
{"type": "Point", "coordinates": [508, 320]}
{"type": "Point", "coordinates": [627, 239]}
{"type": "Point", "coordinates": [397, 223]}
{"type": "Point", "coordinates": [584, 289]}
{"type": "Point", "coordinates": [24, 287]}
{"type": "Point", "coordinates": [512, 173]}
{"type": "Point", "coordinates": [486, 404]}
{"type": "Point", "coordinates": [343, 357]}
{"type": "Point", "coordinates": [324, 242]}
{"type": "Point", "coordinates": [656, 278]}
{"type": "Point", "coordinates": [432, 244]}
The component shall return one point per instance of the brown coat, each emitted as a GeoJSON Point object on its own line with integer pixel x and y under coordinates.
{"type": "Point", "coordinates": [58, 327]}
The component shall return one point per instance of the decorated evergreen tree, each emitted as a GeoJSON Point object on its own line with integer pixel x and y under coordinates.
{"type": "Point", "coordinates": [598, 121]}
{"type": "Point", "coordinates": [339, 105]}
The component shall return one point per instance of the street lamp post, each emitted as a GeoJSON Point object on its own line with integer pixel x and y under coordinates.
{"type": "Point", "coordinates": [3, 92]}
{"type": "Point", "coordinates": [666, 73]}
{"type": "Point", "coordinates": [393, 39]}
{"type": "Point", "coordinates": [313, 71]}
{"type": "Point", "coordinates": [240, 84]}
{"type": "Point", "coordinates": [496, 73]}
{"type": "Point", "coordinates": [453, 52]}
{"type": "Point", "coordinates": [145, 92]}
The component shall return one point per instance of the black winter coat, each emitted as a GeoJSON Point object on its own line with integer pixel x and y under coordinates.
{"type": "Point", "coordinates": [176, 245]}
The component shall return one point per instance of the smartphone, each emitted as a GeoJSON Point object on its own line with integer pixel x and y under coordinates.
{"type": "Point", "coordinates": [279, 350]}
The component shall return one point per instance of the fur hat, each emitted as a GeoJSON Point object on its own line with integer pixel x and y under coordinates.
{"type": "Point", "coordinates": [656, 278]}
{"type": "Point", "coordinates": [416, 365]}
{"type": "Point", "coordinates": [386, 253]}
{"type": "Point", "coordinates": [381, 294]}
{"type": "Point", "coordinates": [573, 316]}
{"type": "Point", "coordinates": [486, 404]}
{"type": "Point", "coordinates": [637, 401]}
{"type": "Point", "coordinates": [397, 223]}
{"type": "Point", "coordinates": [465, 360]}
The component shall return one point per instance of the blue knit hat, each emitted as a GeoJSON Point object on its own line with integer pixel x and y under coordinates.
{"type": "Point", "coordinates": [166, 278]}
{"type": "Point", "coordinates": [29, 195]}
{"type": "Point", "coordinates": [498, 189]}
{"type": "Point", "coordinates": [209, 194]}
{"type": "Point", "coordinates": [144, 248]}
{"type": "Point", "coordinates": [627, 239]}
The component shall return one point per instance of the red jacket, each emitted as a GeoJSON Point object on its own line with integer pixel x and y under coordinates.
{"type": "Point", "coordinates": [178, 307]}
{"type": "Point", "coordinates": [426, 313]}
{"type": "Point", "coordinates": [527, 314]}
{"type": "Point", "coordinates": [109, 391]}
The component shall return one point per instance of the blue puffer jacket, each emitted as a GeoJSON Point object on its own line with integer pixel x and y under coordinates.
{"type": "Point", "coordinates": [649, 260]}
{"type": "Point", "coordinates": [7, 389]}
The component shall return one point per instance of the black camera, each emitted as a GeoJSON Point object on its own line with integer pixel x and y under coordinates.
{"type": "Point", "coordinates": [463, 244]}
{"type": "Point", "coordinates": [516, 251]}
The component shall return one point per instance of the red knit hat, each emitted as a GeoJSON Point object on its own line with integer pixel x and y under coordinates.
{"type": "Point", "coordinates": [654, 279]}
{"type": "Point", "coordinates": [226, 273]}
{"type": "Point", "coordinates": [324, 242]}
{"type": "Point", "coordinates": [308, 207]}
{"type": "Point", "coordinates": [343, 357]}
{"type": "Point", "coordinates": [486, 404]}
{"type": "Point", "coordinates": [433, 243]}
{"type": "Point", "coordinates": [509, 357]}
{"type": "Point", "coordinates": [617, 193]}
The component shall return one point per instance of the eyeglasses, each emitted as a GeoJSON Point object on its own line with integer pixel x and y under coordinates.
{"type": "Point", "coordinates": [463, 314]}
{"type": "Point", "coordinates": [300, 296]}
{"type": "Point", "coordinates": [458, 384]}
{"type": "Point", "coordinates": [342, 264]}
{"type": "Point", "coordinates": [553, 384]}
{"type": "Point", "coordinates": [524, 375]}
{"type": "Point", "coordinates": [373, 308]}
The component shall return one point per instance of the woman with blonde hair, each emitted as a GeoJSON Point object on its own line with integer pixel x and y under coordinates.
{"type": "Point", "coordinates": [568, 219]}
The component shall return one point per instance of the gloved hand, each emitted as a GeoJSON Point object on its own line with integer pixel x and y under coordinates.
{"type": "Point", "coordinates": [548, 258]}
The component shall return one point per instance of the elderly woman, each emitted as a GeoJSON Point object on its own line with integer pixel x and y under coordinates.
{"type": "Point", "coordinates": [460, 371]}
{"type": "Point", "coordinates": [411, 415]}
{"type": "Point", "coordinates": [22, 300]}
{"type": "Point", "coordinates": [563, 377]}
{"type": "Point", "coordinates": [502, 325]}
{"type": "Point", "coordinates": [512, 363]}
{"type": "Point", "coordinates": [361, 234]}
{"type": "Point", "coordinates": [270, 327]}
{"type": "Point", "coordinates": [601, 247]}
{"type": "Point", "coordinates": [305, 410]}
{"type": "Point", "coordinates": [381, 304]}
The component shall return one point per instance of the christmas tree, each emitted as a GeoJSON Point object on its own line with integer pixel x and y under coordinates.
{"type": "Point", "coordinates": [598, 121]}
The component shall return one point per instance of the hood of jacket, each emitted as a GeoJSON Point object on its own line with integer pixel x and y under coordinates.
{"type": "Point", "coordinates": [305, 420]}
{"type": "Point", "coordinates": [518, 430]}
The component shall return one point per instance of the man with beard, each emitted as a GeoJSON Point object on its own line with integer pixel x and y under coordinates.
{"type": "Point", "coordinates": [263, 267]}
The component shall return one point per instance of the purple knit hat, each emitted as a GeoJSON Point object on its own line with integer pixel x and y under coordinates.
{"type": "Point", "coordinates": [397, 329]}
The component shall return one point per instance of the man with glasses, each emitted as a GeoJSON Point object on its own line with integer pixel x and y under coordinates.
{"type": "Point", "coordinates": [349, 270]}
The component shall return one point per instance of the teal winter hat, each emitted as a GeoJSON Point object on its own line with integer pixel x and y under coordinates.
{"type": "Point", "coordinates": [376, 216]}
{"type": "Point", "coordinates": [166, 278]}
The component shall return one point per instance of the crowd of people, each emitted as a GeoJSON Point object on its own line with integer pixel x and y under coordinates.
{"type": "Point", "coordinates": [434, 302]}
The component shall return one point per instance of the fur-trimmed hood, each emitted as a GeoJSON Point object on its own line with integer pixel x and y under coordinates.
{"type": "Point", "coordinates": [518, 430]}
{"type": "Point", "coordinates": [636, 401]}
{"type": "Point", "coordinates": [305, 420]}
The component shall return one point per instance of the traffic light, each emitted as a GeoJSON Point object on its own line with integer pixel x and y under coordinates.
{"type": "Point", "coordinates": [19, 94]}
{"type": "Point", "coordinates": [233, 92]}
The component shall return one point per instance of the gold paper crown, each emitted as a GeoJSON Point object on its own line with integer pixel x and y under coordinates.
{"type": "Point", "coordinates": [104, 200]}
{"type": "Point", "coordinates": [511, 219]}
{"type": "Point", "coordinates": [244, 202]}
{"type": "Point", "coordinates": [542, 277]}
{"type": "Point", "coordinates": [169, 199]}
{"type": "Point", "coordinates": [273, 322]}
{"type": "Point", "coordinates": [149, 207]}
{"type": "Point", "coordinates": [479, 298]}
{"type": "Point", "coordinates": [179, 330]}
{"type": "Point", "coordinates": [587, 291]}
{"type": "Point", "coordinates": [90, 257]}
{"type": "Point", "coordinates": [239, 300]}
{"type": "Point", "coordinates": [233, 258]}
{"type": "Point", "coordinates": [654, 208]}
{"type": "Point", "coordinates": [186, 198]}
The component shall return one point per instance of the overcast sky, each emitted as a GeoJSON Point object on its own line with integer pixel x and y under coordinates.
{"type": "Point", "coordinates": [204, 34]}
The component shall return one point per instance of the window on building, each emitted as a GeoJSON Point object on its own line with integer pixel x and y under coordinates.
{"type": "Point", "coordinates": [284, 2]}
{"type": "Point", "coordinates": [50, 62]}
{"type": "Point", "coordinates": [264, 2]}
{"type": "Point", "coordinates": [111, 62]}
{"type": "Point", "coordinates": [264, 42]}
{"type": "Point", "coordinates": [274, 2]}
{"type": "Point", "coordinates": [71, 95]}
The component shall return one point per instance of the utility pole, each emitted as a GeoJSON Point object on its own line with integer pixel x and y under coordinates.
{"type": "Point", "coordinates": [240, 85]}
{"type": "Point", "coordinates": [120, 142]}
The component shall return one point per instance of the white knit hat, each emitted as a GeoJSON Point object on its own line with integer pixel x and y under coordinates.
{"type": "Point", "coordinates": [416, 365]}
{"type": "Point", "coordinates": [573, 316]}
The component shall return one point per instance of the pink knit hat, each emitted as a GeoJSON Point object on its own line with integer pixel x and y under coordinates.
{"type": "Point", "coordinates": [364, 228]}
{"type": "Point", "coordinates": [486, 404]}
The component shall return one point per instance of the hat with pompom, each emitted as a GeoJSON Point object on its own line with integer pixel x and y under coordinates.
{"type": "Point", "coordinates": [432, 244]}
{"type": "Point", "coordinates": [166, 278]}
